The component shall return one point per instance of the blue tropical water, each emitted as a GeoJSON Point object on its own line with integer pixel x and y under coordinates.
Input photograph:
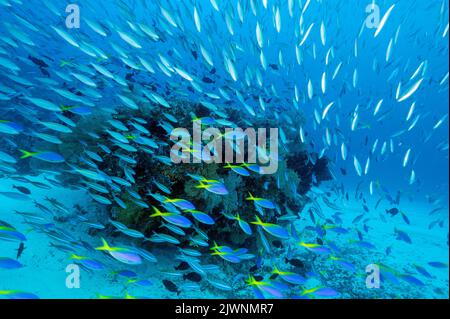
{"type": "Point", "coordinates": [95, 206]}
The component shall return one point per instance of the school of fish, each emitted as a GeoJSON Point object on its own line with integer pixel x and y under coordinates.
{"type": "Point", "coordinates": [84, 108]}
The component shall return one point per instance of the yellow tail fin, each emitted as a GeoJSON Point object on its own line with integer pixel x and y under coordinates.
{"type": "Point", "coordinates": [258, 221]}
{"type": "Point", "coordinates": [157, 212]}
{"type": "Point", "coordinates": [26, 154]}
{"type": "Point", "coordinates": [105, 246]}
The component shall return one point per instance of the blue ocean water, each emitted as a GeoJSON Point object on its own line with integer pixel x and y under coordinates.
{"type": "Point", "coordinates": [93, 206]}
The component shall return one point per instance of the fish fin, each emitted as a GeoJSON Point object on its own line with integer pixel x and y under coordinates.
{"type": "Point", "coordinates": [26, 154]}
{"type": "Point", "coordinates": [157, 212]}
{"type": "Point", "coordinates": [258, 221]}
{"type": "Point", "coordinates": [105, 246]}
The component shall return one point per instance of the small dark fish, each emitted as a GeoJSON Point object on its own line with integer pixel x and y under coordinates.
{"type": "Point", "coordinates": [44, 72]}
{"type": "Point", "coordinates": [273, 276]}
{"type": "Point", "coordinates": [295, 262]}
{"type": "Point", "coordinates": [388, 250]}
{"type": "Point", "coordinates": [401, 235]}
{"type": "Point", "coordinates": [22, 189]}
{"type": "Point", "coordinates": [194, 54]}
{"type": "Point", "coordinates": [277, 243]}
{"type": "Point", "coordinates": [357, 219]}
{"type": "Point", "coordinates": [20, 250]}
{"type": "Point", "coordinates": [343, 171]}
{"type": "Point", "coordinates": [360, 235]}
{"type": "Point", "coordinates": [319, 241]}
{"type": "Point", "coordinates": [366, 228]}
{"type": "Point", "coordinates": [207, 80]}
{"type": "Point", "coordinates": [378, 203]}
{"type": "Point", "coordinates": [274, 66]}
{"type": "Point", "coordinates": [170, 286]}
{"type": "Point", "coordinates": [405, 218]}
{"type": "Point", "coordinates": [393, 211]}
{"type": "Point", "coordinates": [366, 208]}
{"type": "Point", "coordinates": [38, 62]}
{"type": "Point", "coordinates": [258, 278]}
{"type": "Point", "coordinates": [192, 276]}
{"type": "Point", "coordinates": [182, 266]}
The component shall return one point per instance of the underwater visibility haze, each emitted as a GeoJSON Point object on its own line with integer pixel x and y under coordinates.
{"type": "Point", "coordinates": [115, 121]}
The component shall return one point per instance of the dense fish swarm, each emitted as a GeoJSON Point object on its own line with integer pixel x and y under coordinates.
{"type": "Point", "coordinates": [89, 110]}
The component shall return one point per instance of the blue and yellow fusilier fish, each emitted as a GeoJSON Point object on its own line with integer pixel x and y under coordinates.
{"type": "Point", "coordinates": [239, 169]}
{"type": "Point", "coordinates": [17, 294]}
{"type": "Point", "coordinates": [261, 202]}
{"type": "Point", "coordinates": [182, 204]}
{"type": "Point", "coordinates": [87, 262]}
{"type": "Point", "coordinates": [273, 288]}
{"type": "Point", "coordinates": [201, 217]}
{"type": "Point", "coordinates": [212, 186]}
{"type": "Point", "coordinates": [124, 255]}
{"type": "Point", "coordinates": [289, 276]}
{"type": "Point", "coordinates": [229, 254]}
{"type": "Point", "coordinates": [46, 156]}
{"type": "Point", "coordinates": [173, 218]}
{"type": "Point", "coordinates": [272, 229]}
{"type": "Point", "coordinates": [319, 291]}
{"type": "Point", "coordinates": [317, 248]}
